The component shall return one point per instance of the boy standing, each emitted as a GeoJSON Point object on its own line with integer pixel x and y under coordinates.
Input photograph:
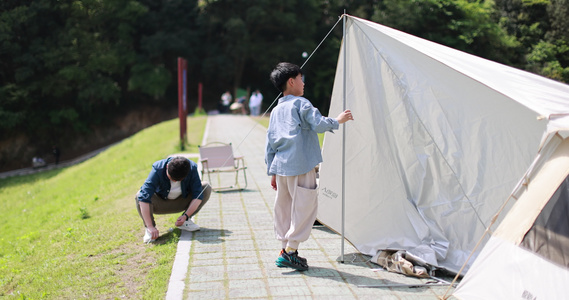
{"type": "Point", "coordinates": [292, 153]}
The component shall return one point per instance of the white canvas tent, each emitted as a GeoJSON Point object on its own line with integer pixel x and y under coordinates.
{"type": "Point", "coordinates": [527, 257]}
{"type": "Point", "coordinates": [440, 140]}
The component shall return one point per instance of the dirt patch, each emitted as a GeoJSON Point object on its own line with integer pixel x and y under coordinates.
{"type": "Point", "coordinates": [134, 272]}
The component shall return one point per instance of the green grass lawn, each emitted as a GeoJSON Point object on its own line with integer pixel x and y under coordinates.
{"type": "Point", "coordinates": [74, 232]}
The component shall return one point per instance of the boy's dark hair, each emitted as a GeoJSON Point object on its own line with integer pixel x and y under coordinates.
{"type": "Point", "coordinates": [178, 168]}
{"type": "Point", "coordinates": [282, 72]}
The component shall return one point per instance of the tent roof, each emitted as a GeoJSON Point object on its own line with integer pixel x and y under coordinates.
{"type": "Point", "coordinates": [547, 97]}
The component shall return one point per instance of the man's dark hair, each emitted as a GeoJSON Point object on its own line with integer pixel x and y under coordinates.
{"type": "Point", "coordinates": [178, 168]}
{"type": "Point", "coordinates": [282, 72]}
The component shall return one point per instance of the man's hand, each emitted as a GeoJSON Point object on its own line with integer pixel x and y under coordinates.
{"type": "Point", "coordinates": [180, 221]}
{"type": "Point", "coordinates": [154, 232]}
{"type": "Point", "coordinates": [274, 182]}
{"type": "Point", "coordinates": [145, 212]}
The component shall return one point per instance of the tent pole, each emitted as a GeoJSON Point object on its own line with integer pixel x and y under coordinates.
{"type": "Point", "coordinates": [344, 139]}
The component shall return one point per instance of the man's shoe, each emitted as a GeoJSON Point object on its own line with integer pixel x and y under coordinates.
{"type": "Point", "coordinates": [147, 237]}
{"type": "Point", "coordinates": [291, 260]}
{"type": "Point", "coordinates": [189, 226]}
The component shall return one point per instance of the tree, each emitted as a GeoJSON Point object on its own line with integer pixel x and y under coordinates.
{"type": "Point", "coordinates": [541, 26]}
{"type": "Point", "coordinates": [321, 69]}
{"type": "Point", "coordinates": [250, 38]}
{"type": "Point", "coordinates": [64, 62]}
{"type": "Point", "coordinates": [167, 31]}
{"type": "Point", "coordinates": [559, 34]}
{"type": "Point", "coordinates": [66, 66]}
{"type": "Point", "coordinates": [470, 26]}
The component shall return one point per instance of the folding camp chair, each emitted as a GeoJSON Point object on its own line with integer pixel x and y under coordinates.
{"type": "Point", "coordinates": [218, 158]}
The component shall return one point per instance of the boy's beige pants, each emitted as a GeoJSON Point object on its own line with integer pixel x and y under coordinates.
{"type": "Point", "coordinates": [296, 205]}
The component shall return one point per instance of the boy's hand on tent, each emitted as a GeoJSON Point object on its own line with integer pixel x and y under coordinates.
{"type": "Point", "coordinates": [345, 116]}
{"type": "Point", "coordinates": [274, 182]}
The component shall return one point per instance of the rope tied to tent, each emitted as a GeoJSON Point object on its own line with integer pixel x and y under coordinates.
{"type": "Point", "coordinates": [552, 116]}
{"type": "Point", "coordinates": [492, 221]}
{"type": "Point", "coordinates": [279, 95]}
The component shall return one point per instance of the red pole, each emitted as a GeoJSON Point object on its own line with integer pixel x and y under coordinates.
{"type": "Point", "coordinates": [185, 98]}
{"type": "Point", "coordinates": [180, 92]}
{"type": "Point", "coordinates": [200, 87]}
{"type": "Point", "coordinates": [182, 108]}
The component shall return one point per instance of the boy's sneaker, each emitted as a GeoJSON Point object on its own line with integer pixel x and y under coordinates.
{"type": "Point", "coordinates": [147, 237]}
{"type": "Point", "coordinates": [302, 259]}
{"type": "Point", "coordinates": [291, 260]}
{"type": "Point", "coordinates": [189, 226]}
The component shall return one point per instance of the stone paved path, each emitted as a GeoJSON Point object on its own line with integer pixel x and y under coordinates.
{"type": "Point", "coordinates": [232, 256]}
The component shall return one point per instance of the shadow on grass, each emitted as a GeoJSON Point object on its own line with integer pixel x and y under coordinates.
{"type": "Point", "coordinates": [170, 237]}
{"type": "Point", "coordinates": [29, 179]}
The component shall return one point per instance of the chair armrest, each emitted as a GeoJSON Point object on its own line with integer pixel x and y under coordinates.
{"type": "Point", "coordinates": [238, 159]}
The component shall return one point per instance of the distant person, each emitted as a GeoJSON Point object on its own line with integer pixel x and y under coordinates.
{"type": "Point", "coordinates": [255, 103]}
{"type": "Point", "coordinates": [292, 153]}
{"type": "Point", "coordinates": [38, 162]}
{"type": "Point", "coordinates": [173, 186]}
{"type": "Point", "coordinates": [56, 154]}
{"type": "Point", "coordinates": [225, 102]}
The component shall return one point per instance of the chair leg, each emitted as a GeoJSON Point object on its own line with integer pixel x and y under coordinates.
{"type": "Point", "coordinates": [236, 178]}
{"type": "Point", "coordinates": [245, 176]}
{"type": "Point", "coordinates": [209, 179]}
{"type": "Point", "coordinates": [216, 188]}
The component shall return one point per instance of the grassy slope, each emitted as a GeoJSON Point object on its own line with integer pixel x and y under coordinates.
{"type": "Point", "coordinates": [74, 232]}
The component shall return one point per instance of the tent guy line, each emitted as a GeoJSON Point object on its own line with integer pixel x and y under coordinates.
{"type": "Point", "coordinates": [278, 96]}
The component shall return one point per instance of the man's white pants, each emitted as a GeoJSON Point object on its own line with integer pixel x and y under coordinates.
{"type": "Point", "coordinates": [296, 205]}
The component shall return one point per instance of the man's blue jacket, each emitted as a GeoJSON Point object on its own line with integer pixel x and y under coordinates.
{"type": "Point", "coordinates": [159, 183]}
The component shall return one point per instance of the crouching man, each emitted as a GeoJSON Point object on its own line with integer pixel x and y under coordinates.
{"type": "Point", "coordinates": [173, 186]}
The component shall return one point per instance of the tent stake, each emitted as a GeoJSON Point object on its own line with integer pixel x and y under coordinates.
{"type": "Point", "coordinates": [344, 139]}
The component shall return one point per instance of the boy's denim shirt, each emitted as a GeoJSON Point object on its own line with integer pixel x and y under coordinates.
{"type": "Point", "coordinates": [292, 146]}
{"type": "Point", "coordinates": [159, 183]}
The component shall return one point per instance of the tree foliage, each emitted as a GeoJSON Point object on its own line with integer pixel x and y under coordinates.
{"type": "Point", "coordinates": [64, 65]}
{"type": "Point", "coordinates": [245, 41]}
{"type": "Point", "coordinates": [68, 65]}
{"type": "Point", "coordinates": [470, 26]}
{"type": "Point", "coordinates": [541, 27]}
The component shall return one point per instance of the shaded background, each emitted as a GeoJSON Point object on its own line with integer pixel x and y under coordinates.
{"type": "Point", "coordinates": [81, 74]}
